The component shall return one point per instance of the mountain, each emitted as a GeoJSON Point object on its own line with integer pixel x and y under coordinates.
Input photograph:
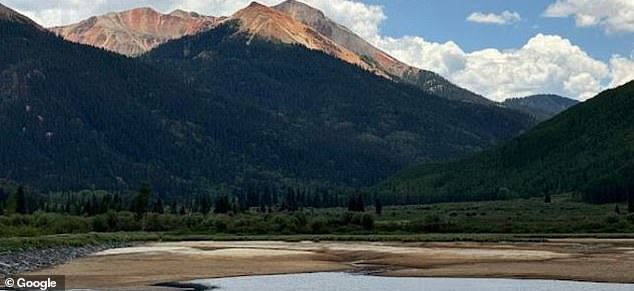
{"type": "Point", "coordinates": [426, 80]}
{"type": "Point", "coordinates": [221, 109]}
{"type": "Point", "coordinates": [316, 92]}
{"type": "Point", "coordinates": [76, 117]}
{"type": "Point", "coordinates": [542, 107]}
{"type": "Point", "coordinates": [135, 31]}
{"type": "Point", "coordinates": [585, 146]}
{"type": "Point", "coordinates": [258, 20]}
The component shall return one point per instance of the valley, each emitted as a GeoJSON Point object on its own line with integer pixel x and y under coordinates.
{"type": "Point", "coordinates": [162, 148]}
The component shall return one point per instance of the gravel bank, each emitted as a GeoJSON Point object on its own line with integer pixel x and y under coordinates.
{"type": "Point", "coordinates": [16, 262]}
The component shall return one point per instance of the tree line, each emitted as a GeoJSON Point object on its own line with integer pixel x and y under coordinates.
{"type": "Point", "coordinates": [261, 199]}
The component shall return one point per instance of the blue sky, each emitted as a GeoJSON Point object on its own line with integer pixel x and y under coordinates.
{"type": "Point", "coordinates": [442, 21]}
{"type": "Point", "coordinates": [497, 48]}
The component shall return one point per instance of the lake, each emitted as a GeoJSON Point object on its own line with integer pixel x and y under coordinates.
{"type": "Point", "coordinates": [351, 282]}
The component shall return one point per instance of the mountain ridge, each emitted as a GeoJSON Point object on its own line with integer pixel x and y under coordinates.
{"type": "Point", "coordinates": [135, 31]}
{"type": "Point", "coordinates": [542, 106]}
{"type": "Point", "coordinates": [7, 14]}
{"type": "Point", "coordinates": [426, 80]}
{"type": "Point", "coordinates": [263, 21]}
{"type": "Point", "coordinates": [214, 111]}
{"type": "Point", "coordinates": [326, 35]}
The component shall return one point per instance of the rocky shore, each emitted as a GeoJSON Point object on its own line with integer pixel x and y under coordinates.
{"type": "Point", "coordinates": [27, 260]}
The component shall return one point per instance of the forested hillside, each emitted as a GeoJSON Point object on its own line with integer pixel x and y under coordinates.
{"type": "Point", "coordinates": [75, 117]}
{"type": "Point", "coordinates": [318, 93]}
{"type": "Point", "coordinates": [213, 111]}
{"type": "Point", "coordinates": [542, 107]}
{"type": "Point", "coordinates": [588, 149]}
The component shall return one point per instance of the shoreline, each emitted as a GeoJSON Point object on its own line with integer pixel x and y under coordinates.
{"type": "Point", "coordinates": [595, 260]}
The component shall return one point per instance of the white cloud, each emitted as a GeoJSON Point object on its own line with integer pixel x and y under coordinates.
{"type": "Point", "coordinates": [443, 58]}
{"type": "Point", "coordinates": [545, 64]}
{"type": "Point", "coordinates": [622, 70]}
{"type": "Point", "coordinates": [504, 18]}
{"type": "Point", "coordinates": [612, 15]}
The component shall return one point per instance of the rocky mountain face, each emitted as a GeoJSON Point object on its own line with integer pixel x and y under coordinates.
{"type": "Point", "coordinates": [428, 81]}
{"type": "Point", "coordinates": [542, 107]}
{"type": "Point", "coordinates": [135, 31]}
{"type": "Point", "coordinates": [261, 21]}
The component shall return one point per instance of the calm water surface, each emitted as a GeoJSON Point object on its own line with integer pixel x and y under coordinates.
{"type": "Point", "coordinates": [349, 282]}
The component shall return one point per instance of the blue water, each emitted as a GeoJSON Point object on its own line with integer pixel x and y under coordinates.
{"type": "Point", "coordinates": [350, 282]}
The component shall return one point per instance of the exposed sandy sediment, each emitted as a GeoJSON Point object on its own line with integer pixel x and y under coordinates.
{"type": "Point", "coordinates": [572, 259]}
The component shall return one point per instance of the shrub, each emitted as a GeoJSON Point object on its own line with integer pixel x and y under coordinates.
{"type": "Point", "coordinates": [367, 221]}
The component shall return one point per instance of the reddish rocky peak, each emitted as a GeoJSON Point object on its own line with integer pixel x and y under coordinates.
{"type": "Point", "coordinates": [300, 10]}
{"type": "Point", "coordinates": [261, 21]}
{"type": "Point", "coordinates": [343, 36]}
{"type": "Point", "coordinates": [136, 31]}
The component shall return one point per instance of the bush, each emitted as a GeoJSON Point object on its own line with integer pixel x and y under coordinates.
{"type": "Point", "coordinates": [318, 226]}
{"type": "Point", "coordinates": [630, 217]}
{"type": "Point", "coordinates": [367, 221]}
{"type": "Point", "coordinates": [612, 219]}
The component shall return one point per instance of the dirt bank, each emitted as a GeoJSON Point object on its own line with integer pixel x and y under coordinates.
{"type": "Point", "coordinates": [590, 260]}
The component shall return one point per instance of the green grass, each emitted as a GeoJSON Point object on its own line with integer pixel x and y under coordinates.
{"type": "Point", "coordinates": [563, 215]}
{"type": "Point", "coordinates": [513, 220]}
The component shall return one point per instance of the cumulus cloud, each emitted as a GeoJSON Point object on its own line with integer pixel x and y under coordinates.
{"type": "Point", "coordinates": [504, 18]}
{"type": "Point", "coordinates": [612, 15]}
{"type": "Point", "coordinates": [622, 70]}
{"type": "Point", "coordinates": [545, 64]}
{"type": "Point", "coordinates": [443, 58]}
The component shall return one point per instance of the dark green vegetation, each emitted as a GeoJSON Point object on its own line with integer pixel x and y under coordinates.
{"type": "Point", "coordinates": [588, 149]}
{"type": "Point", "coordinates": [210, 110]}
{"type": "Point", "coordinates": [350, 112]}
{"type": "Point", "coordinates": [497, 220]}
{"type": "Point", "coordinates": [442, 87]}
{"type": "Point", "coordinates": [542, 107]}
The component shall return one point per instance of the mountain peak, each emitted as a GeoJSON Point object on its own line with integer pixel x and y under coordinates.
{"type": "Point", "coordinates": [256, 4]}
{"type": "Point", "coordinates": [379, 59]}
{"type": "Point", "coordinates": [183, 14]}
{"type": "Point", "coordinates": [136, 31]}
{"type": "Point", "coordinates": [257, 8]}
{"type": "Point", "coordinates": [257, 20]}
{"type": "Point", "coordinates": [147, 10]}
{"type": "Point", "coordinates": [294, 7]}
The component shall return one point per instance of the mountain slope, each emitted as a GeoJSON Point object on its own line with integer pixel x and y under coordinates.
{"type": "Point", "coordinates": [542, 107]}
{"type": "Point", "coordinates": [135, 31]}
{"type": "Point", "coordinates": [586, 144]}
{"type": "Point", "coordinates": [428, 81]}
{"type": "Point", "coordinates": [9, 15]}
{"type": "Point", "coordinates": [66, 125]}
{"type": "Point", "coordinates": [315, 91]}
{"type": "Point", "coordinates": [218, 108]}
{"type": "Point", "coordinates": [258, 20]}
